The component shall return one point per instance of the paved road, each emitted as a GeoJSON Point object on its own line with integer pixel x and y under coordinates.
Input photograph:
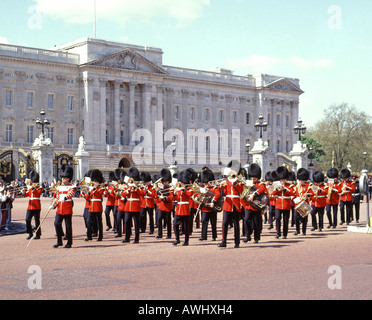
{"type": "Point", "coordinates": [295, 268]}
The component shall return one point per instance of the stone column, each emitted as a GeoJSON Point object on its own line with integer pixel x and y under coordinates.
{"type": "Point", "coordinates": [88, 114]}
{"type": "Point", "coordinates": [82, 156]}
{"type": "Point", "coordinates": [260, 152]}
{"type": "Point", "coordinates": [132, 125]}
{"type": "Point", "coordinates": [43, 153]}
{"type": "Point", "coordinates": [102, 108]}
{"type": "Point", "coordinates": [300, 155]}
{"type": "Point", "coordinates": [146, 100]}
{"type": "Point", "coordinates": [116, 130]}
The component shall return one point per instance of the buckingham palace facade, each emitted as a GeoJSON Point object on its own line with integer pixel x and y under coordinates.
{"type": "Point", "coordinates": [110, 93]}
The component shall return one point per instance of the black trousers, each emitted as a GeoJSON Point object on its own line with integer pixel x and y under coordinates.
{"type": "Point", "coordinates": [143, 218]}
{"type": "Point", "coordinates": [184, 221]}
{"type": "Point", "coordinates": [58, 226]}
{"type": "Point", "coordinates": [167, 216]}
{"type": "Point", "coordinates": [119, 222]}
{"type": "Point", "coordinates": [108, 210]}
{"type": "Point", "coordinates": [252, 221]}
{"type": "Point", "coordinates": [36, 215]}
{"type": "Point", "coordinates": [349, 208]}
{"type": "Point", "coordinates": [278, 217]}
{"type": "Point", "coordinates": [231, 218]}
{"type": "Point", "coordinates": [95, 219]}
{"type": "Point", "coordinates": [320, 212]}
{"type": "Point", "coordinates": [300, 220]}
{"type": "Point", "coordinates": [271, 215]}
{"type": "Point", "coordinates": [129, 216]}
{"type": "Point", "coordinates": [332, 218]}
{"type": "Point", "coordinates": [205, 218]}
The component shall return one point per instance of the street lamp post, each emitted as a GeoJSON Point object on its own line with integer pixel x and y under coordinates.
{"type": "Point", "coordinates": [300, 129]}
{"type": "Point", "coordinates": [42, 122]}
{"type": "Point", "coordinates": [365, 186]}
{"type": "Point", "coordinates": [261, 125]}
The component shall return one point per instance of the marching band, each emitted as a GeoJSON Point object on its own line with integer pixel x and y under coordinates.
{"type": "Point", "coordinates": [138, 200]}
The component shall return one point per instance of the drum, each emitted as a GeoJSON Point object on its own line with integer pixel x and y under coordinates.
{"type": "Point", "coordinates": [260, 202]}
{"type": "Point", "coordinates": [303, 209]}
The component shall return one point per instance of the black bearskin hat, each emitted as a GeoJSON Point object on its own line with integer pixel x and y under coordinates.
{"type": "Point", "coordinates": [254, 171]}
{"type": "Point", "coordinates": [282, 172]}
{"type": "Point", "coordinates": [134, 174]}
{"type": "Point", "coordinates": [145, 176]}
{"type": "Point", "coordinates": [112, 176]}
{"type": "Point", "coordinates": [345, 174]}
{"type": "Point", "coordinates": [97, 176]}
{"type": "Point", "coordinates": [185, 176]}
{"type": "Point", "coordinates": [332, 173]}
{"type": "Point", "coordinates": [34, 176]}
{"type": "Point", "coordinates": [166, 175]}
{"type": "Point", "coordinates": [67, 172]}
{"type": "Point", "coordinates": [206, 176]}
{"type": "Point", "coordinates": [318, 177]}
{"type": "Point", "coordinates": [303, 174]}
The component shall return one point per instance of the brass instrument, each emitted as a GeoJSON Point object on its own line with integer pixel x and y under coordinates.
{"type": "Point", "coordinates": [330, 188]}
{"type": "Point", "coordinates": [204, 198]}
{"type": "Point", "coordinates": [217, 183]}
{"type": "Point", "coordinates": [260, 201]}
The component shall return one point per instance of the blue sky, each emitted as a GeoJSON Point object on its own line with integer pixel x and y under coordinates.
{"type": "Point", "coordinates": [326, 44]}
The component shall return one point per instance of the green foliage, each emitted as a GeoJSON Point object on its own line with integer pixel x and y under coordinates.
{"type": "Point", "coordinates": [345, 132]}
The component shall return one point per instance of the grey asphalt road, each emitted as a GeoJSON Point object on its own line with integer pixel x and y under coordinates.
{"type": "Point", "coordinates": [334, 264]}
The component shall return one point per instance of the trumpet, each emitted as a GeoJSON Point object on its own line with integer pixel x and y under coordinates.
{"type": "Point", "coordinates": [217, 183]}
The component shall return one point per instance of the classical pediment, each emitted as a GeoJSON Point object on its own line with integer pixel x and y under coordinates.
{"type": "Point", "coordinates": [128, 60]}
{"type": "Point", "coordinates": [284, 85]}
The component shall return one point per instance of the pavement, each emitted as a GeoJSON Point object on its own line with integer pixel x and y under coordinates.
{"type": "Point", "coordinates": [330, 265]}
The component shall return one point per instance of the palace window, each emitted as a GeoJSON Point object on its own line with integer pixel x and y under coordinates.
{"type": "Point", "coordinates": [220, 116]}
{"type": "Point", "coordinates": [70, 103]}
{"type": "Point", "coordinates": [50, 133]}
{"type": "Point", "coordinates": [30, 134]}
{"type": "Point", "coordinates": [206, 114]}
{"type": "Point", "coordinates": [247, 118]}
{"type": "Point", "coordinates": [30, 99]}
{"type": "Point", "coordinates": [50, 101]}
{"type": "Point", "coordinates": [9, 133]}
{"type": "Point", "coordinates": [235, 117]}
{"type": "Point", "coordinates": [9, 98]}
{"type": "Point", "coordinates": [70, 136]}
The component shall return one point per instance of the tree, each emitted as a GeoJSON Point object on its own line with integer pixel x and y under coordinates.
{"type": "Point", "coordinates": [318, 152]}
{"type": "Point", "coordinates": [346, 132]}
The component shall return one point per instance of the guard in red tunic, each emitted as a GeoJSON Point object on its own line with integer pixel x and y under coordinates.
{"type": "Point", "coordinates": [333, 196]}
{"type": "Point", "coordinates": [95, 198]}
{"type": "Point", "coordinates": [318, 201]}
{"type": "Point", "coordinates": [303, 192]}
{"type": "Point", "coordinates": [34, 206]}
{"type": "Point", "coordinates": [252, 216]}
{"type": "Point", "coordinates": [182, 213]}
{"type": "Point", "coordinates": [164, 200]}
{"type": "Point", "coordinates": [111, 198]}
{"type": "Point", "coordinates": [346, 196]}
{"type": "Point", "coordinates": [232, 205]}
{"type": "Point", "coordinates": [283, 203]}
{"type": "Point", "coordinates": [270, 178]}
{"type": "Point", "coordinates": [207, 214]}
{"type": "Point", "coordinates": [147, 203]}
{"type": "Point", "coordinates": [64, 204]}
{"type": "Point", "coordinates": [132, 206]}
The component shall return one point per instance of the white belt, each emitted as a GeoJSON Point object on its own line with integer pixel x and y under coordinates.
{"type": "Point", "coordinates": [63, 200]}
{"type": "Point", "coordinates": [184, 203]}
{"type": "Point", "coordinates": [100, 200]}
{"type": "Point", "coordinates": [131, 199]}
{"type": "Point", "coordinates": [147, 197]}
{"type": "Point", "coordinates": [232, 196]}
{"type": "Point", "coordinates": [34, 198]}
{"type": "Point", "coordinates": [320, 197]}
{"type": "Point", "coordinates": [284, 197]}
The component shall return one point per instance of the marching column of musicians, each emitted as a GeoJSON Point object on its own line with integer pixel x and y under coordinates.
{"type": "Point", "coordinates": [137, 201]}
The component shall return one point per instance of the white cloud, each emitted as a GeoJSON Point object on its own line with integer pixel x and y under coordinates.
{"type": "Point", "coordinates": [121, 11]}
{"type": "Point", "coordinates": [311, 64]}
{"type": "Point", "coordinates": [254, 63]}
{"type": "Point", "coordinates": [4, 40]}
{"type": "Point", "coordinates": [264, 64]}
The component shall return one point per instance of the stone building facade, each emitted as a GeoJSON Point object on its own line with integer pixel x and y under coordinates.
{"type": "Point", "coordinates": [122, 99]}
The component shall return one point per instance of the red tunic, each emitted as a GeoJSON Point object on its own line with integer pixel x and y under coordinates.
{"type": "Point", "coordinates": [95, 198]}
{"type": "Point", "coordinates": [133, 203]}
{"type": "Point", "coordinates": [34, 201]}
{"type": "Point", "coordinates": [183, 205]}
{"type": "Point", "coordinates": [348, 194]}
{"type": "Point", "coordinates": [165, 204]}
{"type": "Point", "coordinates": [261, 188]}
{"type": "Point", "coordinates": [64, 196]}
{"type": "Point", "coordinates": [232, 196]}
{"type": "Point", "coordinates": [335, 194]}
{"type": "Point", "coordinates": [111, 196]}
{"type": "Point", "coordinates": [284, 198]}
{"type": "Point", "coordinates": [319, 199]}
{"type": "Point", "coordinates": [148, 199]}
